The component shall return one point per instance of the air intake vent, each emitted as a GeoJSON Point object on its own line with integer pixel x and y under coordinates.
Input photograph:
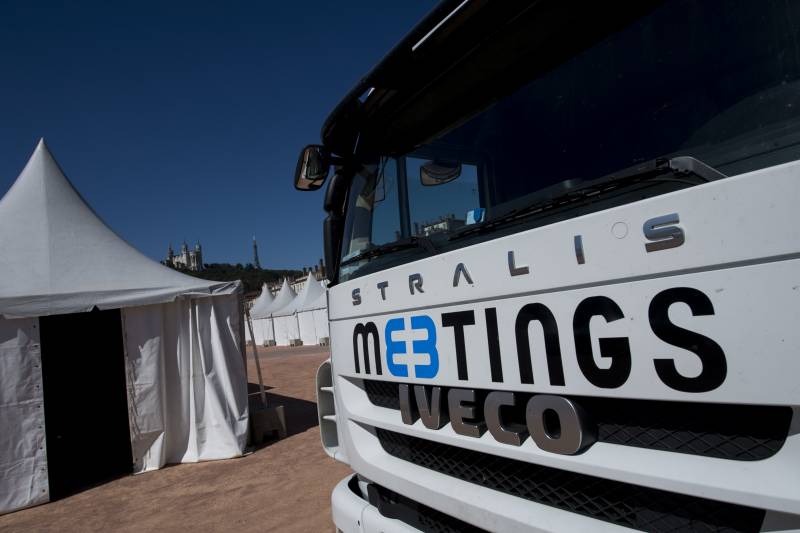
{"type": "Point", "coordinates": [633, 506]}
{"type": "Point", "coordinates": [326, 409]}
{"type": "Point", "coordinates": [393, 505]}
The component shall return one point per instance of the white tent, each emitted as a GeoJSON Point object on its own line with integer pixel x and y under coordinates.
{"type": "Point", "coordinates": [279, 327]}
{"type": "Point", "coordinates": [287, 323]}
{"type": "Point", "coordinates": [312, 318]}
{"type": "Point", "coordinates": [289, 317]}
{"type": "Point", "coordinates": [262, 327]}
{"type": "Point", "coordinates": [178, 338]}
{"type": "Point", "coordinates": [263, 301]}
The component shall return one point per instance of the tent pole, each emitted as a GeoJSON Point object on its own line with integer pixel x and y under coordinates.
{"type": "Point", "coordinates": [255, 357]}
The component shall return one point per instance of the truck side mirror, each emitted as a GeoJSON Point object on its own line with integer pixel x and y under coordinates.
{"type": "Point", "coordinates": [313, 167]}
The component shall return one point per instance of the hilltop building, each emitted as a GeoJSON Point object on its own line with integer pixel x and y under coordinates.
{"type": "Point", "coordinates": [187, 259]}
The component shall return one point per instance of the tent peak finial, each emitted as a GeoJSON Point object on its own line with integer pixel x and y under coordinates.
{"type": "Point", "coordinates": [41, 145]}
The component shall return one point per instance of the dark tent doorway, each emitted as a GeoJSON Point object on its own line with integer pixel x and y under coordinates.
{"type": "Point", "coordinates": [85, 400]}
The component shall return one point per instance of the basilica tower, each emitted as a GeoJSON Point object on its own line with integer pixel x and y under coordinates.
{"type": "Point", "coordinates": [256, 262]}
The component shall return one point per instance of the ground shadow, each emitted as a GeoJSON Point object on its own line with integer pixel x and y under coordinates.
{"type": "Point", "coordinates": [301, 415]}
{"type": "Point", "coordinates": [253, 388]}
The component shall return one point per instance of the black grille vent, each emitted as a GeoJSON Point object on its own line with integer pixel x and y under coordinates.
{"type": "Point", "coordinates": [620, 503]}
{"type": "Point", "coordinates": [393, 505]}
{"type": "Point", "coordinates": [737, 432]}
{"type": "Point", "coordinates": [383, 393]}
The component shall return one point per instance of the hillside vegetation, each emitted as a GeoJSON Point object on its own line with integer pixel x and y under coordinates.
{"type": "Point", "coordinates": [251, 277]}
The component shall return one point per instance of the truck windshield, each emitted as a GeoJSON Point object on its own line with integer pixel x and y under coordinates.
{"type": "Point", "coordinates": [719, 82]}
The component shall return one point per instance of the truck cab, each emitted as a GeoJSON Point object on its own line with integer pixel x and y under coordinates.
{"type": "Point", "coordinates": [565, 271]}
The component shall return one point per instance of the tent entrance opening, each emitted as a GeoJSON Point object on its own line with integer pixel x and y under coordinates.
{"type": "Point", "coordinates": [85, 400]}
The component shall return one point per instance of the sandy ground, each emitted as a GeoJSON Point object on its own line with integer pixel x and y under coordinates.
{"type": "Point", "coordinates": [282, 486]}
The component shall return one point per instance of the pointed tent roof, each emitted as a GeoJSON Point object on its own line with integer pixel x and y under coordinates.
{"type": "Point", "coordinates": [59, 257]}
{"type": "Point", "coordinates": [320, 302]}
{"type": "Point", "coordinates": [282, 299]}
{"type": "Point", "coordinates": [263, 301]}
{"type": "Point", "coordinates": [310, 292]}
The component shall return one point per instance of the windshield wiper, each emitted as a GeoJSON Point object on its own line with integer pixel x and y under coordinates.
{"type": "Point", "coordinates": [423, 243]}
{"type": "Point", "coordinates": [682, 169]}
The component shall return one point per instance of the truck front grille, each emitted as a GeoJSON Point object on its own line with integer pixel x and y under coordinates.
{"type": "Point", "coordinates": [736, 432]}
{"type": "Point", "coordinates": [620, 503]}
{"type": "Point", "coordinates": [419, 516]}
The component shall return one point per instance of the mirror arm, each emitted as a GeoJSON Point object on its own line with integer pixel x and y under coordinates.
{"type": "Point", "coordinates": [333, 227]}
{"type": "Point", "coordinates": [337, 161]}
{"type": "Point", "coordinates": [336, 194]}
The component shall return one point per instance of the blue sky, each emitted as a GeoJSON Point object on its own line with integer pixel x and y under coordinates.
{"type": "Point", "coordinates": [184, 119]}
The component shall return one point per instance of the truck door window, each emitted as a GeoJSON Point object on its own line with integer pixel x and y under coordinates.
{"type": "Point", "coordinates": [386, 212]}
{"type": "Point", "coordinates": [375, 204]}
{"type": "Point", "coordinates": [373, 210]}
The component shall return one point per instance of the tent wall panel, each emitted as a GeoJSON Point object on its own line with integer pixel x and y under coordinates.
{"type": "Point", "coordinates": [321, 322]}
{"type": "Point", "coordinates": [262, 329]}
{"type": "Point", "coordinates": [23, 453]}
{"type": "Point", "coordinates": [308, 331]}
{"type": "Point", "coordinates": [202, 414]}
{"type": "Point", "coordinates": [313, 313]}
{"type": "Point", "coordinates": [268, 328]}
{"type": "Point", "coordinates": [281, 331]}
{"type": "Point", "coordinates": [294, 327]}
{"type": "Point", "coordinates": [313, 325]}
{"type": "Point", "coordinates": [285, 329]}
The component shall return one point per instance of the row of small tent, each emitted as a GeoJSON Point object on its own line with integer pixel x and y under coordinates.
{"type": "Point", "coordinates": [288, 318]}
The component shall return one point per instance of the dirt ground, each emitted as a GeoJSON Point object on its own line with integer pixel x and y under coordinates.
{"type": "Point", "coordinates": [282, 486]}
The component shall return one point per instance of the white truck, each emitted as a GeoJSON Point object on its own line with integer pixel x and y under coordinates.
{"type": "Point", "coordinates": [564, 248]}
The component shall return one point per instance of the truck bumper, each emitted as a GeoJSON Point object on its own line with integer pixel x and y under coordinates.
{"type": "Point", "coordinates": [354, 514]}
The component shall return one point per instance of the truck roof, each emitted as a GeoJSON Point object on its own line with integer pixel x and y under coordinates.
{"type": "Point", "coordinates": [343, 113]}
{"type": "Point", "coordinates": [463, 56]}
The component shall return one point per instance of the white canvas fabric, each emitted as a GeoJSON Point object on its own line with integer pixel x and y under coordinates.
{"type": "Point", "coordinates": [310, 292]}
{"type": "Point", "coordinates": [286, 319]}
{"type": "Point", "coordinates": [284, 297]}
{"type": "Point", "coordinates": [307, 328]}
{"type": "Point", "coordinates": [185, 373]}
{"type": "Point", "coordinates": [23, 452]}
{"type": "Point", "coordinates": [313, 318]}
{"type": "Point", "coordinates": [281, 327]}
{"type": "Point", "coordinates": [184, 404]}
{"type": "Point", "coordinates": [321, 325]}
{"type": "Point", "coordinates": [263, 331]}
{"type": "Point", "coordinates": [263, 301]}
{"type": "Point", "coordinates": [286, 329]}
{"type": "Point", "coordinates": [58, 257]}
{"type": "Point", "coordinates": [262, 328]}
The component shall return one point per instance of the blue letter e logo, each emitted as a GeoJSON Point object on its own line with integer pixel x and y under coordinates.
{"type": "Point", "coordinates": [397, 357]}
